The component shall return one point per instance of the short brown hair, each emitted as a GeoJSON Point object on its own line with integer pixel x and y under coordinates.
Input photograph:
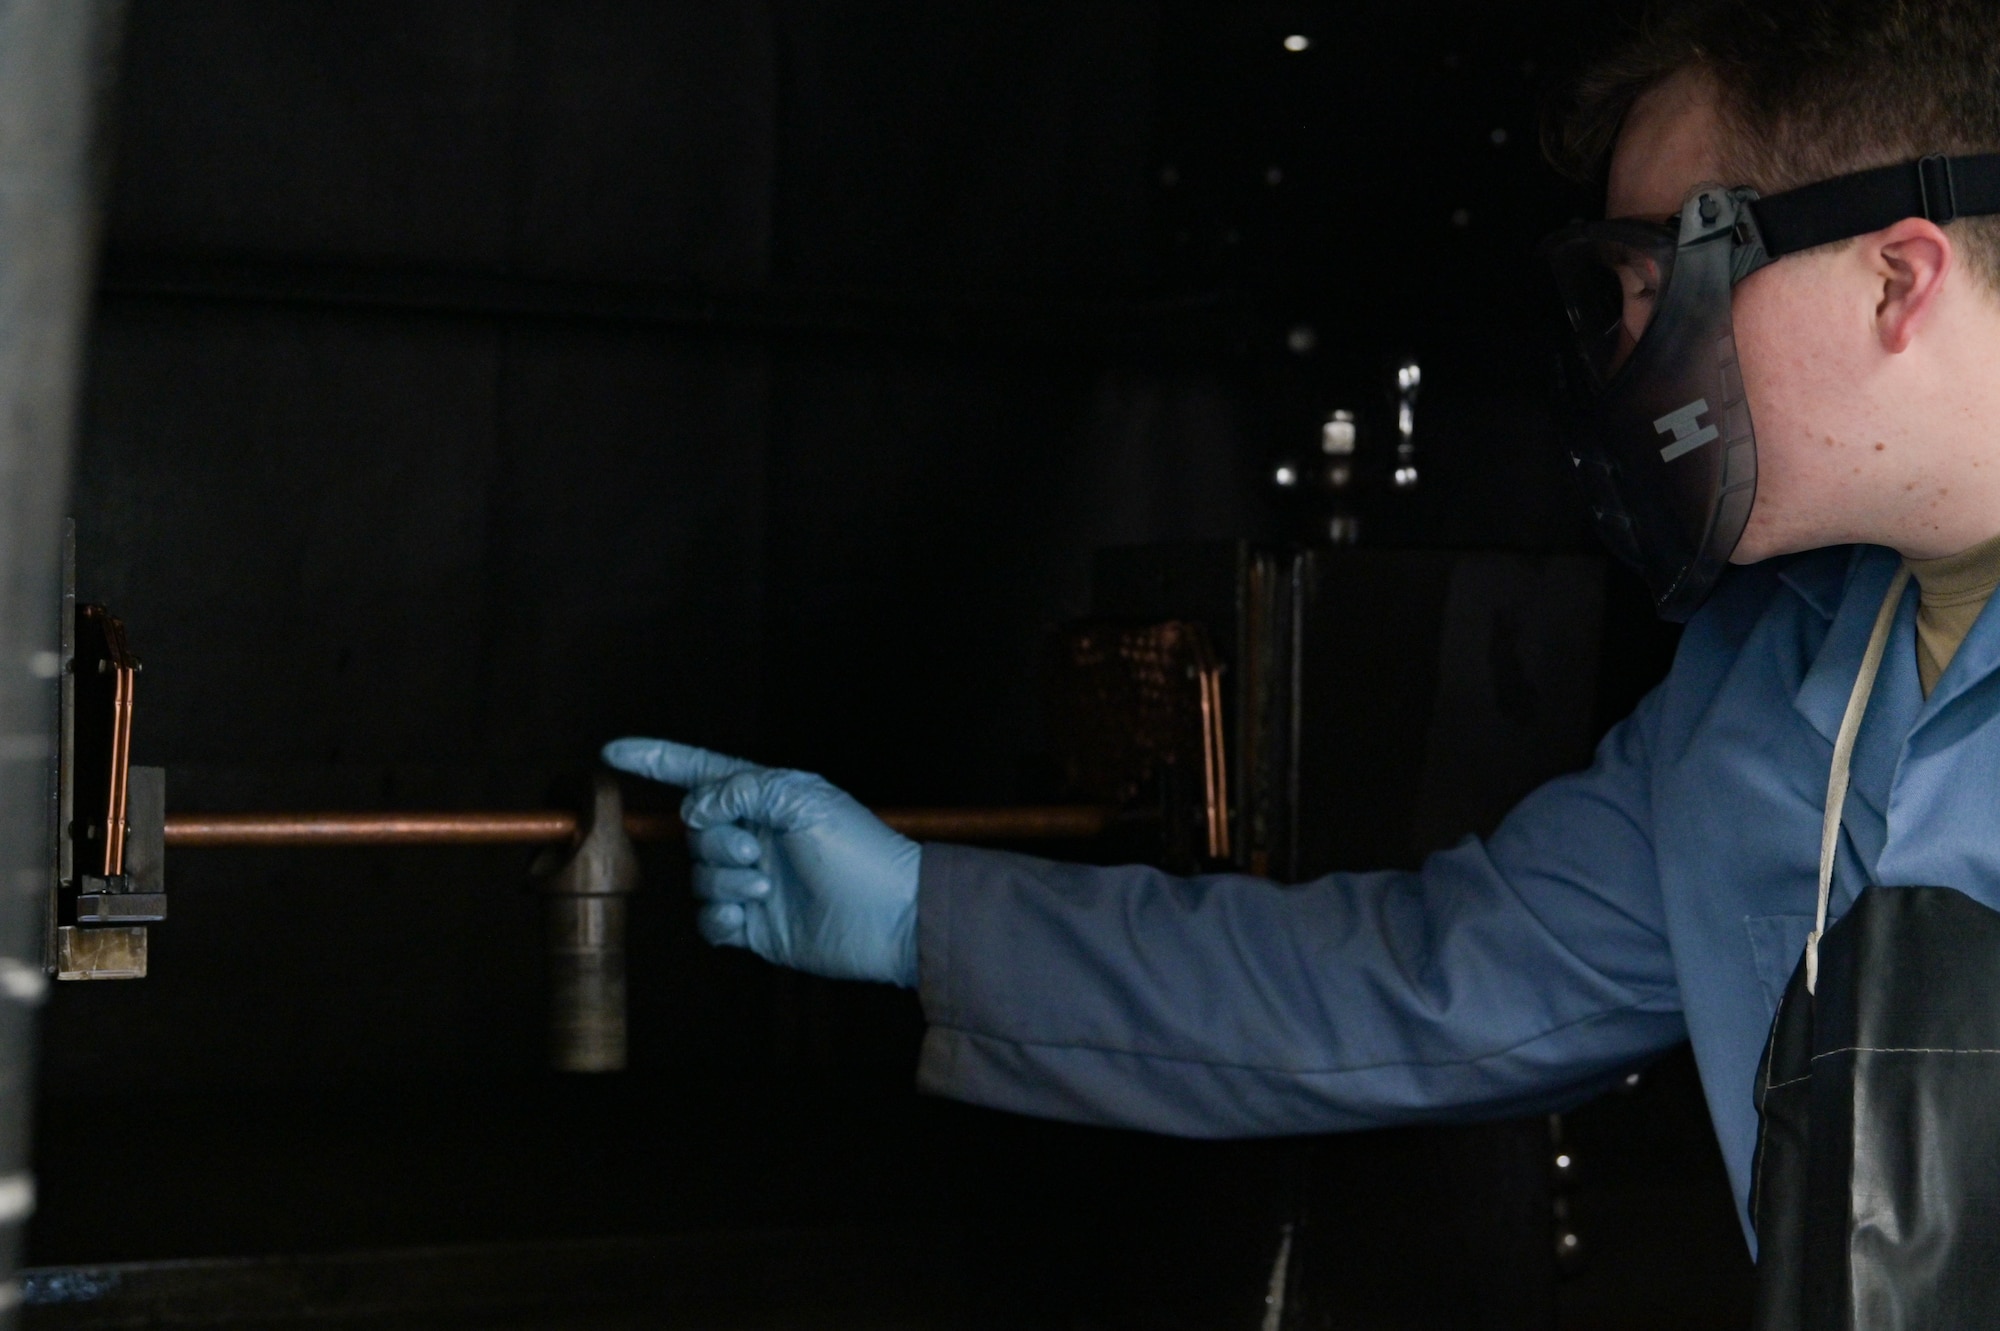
{"type": "Point", "coordinates": [1810, 89]}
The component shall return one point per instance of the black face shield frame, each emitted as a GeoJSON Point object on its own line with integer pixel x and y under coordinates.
{"type": "Point", "coordinates": [1653, 409]}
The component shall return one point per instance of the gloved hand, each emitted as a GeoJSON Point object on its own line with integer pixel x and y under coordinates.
{"type": "Point", "coordinates": [790, 866]}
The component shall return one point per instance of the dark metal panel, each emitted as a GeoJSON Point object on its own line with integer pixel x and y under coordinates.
{"type": "Point", "coordinates": [291, 517]}
{"type": "Point", "coordinates": [965, 146]}
{"type": "Point", "coordinates": [628, 527]}
{"type": "Point", "coordinates": [647, 134]}
{"type": "Point", "coordinates": [54, 57]}
{"type": "Point", "coordinates": [373, 128]}
{"type": "Point", "coordinates": [913, 532]}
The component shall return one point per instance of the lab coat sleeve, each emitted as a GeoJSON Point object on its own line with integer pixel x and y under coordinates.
{"type": "Point", "coordinates": [1500, 978]}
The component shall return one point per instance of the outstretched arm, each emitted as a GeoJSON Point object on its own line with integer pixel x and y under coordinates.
{"type": "Point", "coordinates": [1503, 977]}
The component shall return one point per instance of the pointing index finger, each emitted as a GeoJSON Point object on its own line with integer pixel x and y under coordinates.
{"type": "Point", "coordinates": [673, 764]}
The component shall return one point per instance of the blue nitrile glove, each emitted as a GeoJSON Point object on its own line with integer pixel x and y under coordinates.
{"type": "Point", "coordinates": [790, 866]}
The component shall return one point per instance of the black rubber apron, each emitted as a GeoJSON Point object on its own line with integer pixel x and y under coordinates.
{"type": "Point", "coordinates": [1876, 1186]}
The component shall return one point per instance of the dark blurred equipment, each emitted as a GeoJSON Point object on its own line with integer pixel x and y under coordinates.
{"type": "Point", "coordinates": [1409, 379]}
{"type": "Point", "coordinates": [1376, 705]}
{"type": "Point", "coordinates": [1364, 458]}
{"type": "Point", "coordinates": [1139, 712]}
{"type": "Point", "coordinates": [1478, 671]}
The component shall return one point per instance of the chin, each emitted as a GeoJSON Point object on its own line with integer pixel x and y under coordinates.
{"type": "Point", "coordinates": [1769, 534]}
{"type": "Point", "coordinates": [1748, 551]}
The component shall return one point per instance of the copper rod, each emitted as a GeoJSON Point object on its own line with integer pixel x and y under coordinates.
{"type": "Point", "coordinates": [539, 826]}
{"type": "Point", "coordinates": [369, 829]}
{"type": "Point", "coordinates": [1055, 822]}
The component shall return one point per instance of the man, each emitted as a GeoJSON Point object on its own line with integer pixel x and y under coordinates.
{"type": "Point", "coordinates": [1667, 892]}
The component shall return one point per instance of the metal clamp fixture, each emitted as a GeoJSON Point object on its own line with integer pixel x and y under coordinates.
{"type": "Point", "coordinates": [108, 880]}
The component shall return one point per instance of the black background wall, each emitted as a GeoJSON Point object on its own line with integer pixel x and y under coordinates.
{"type": "Point", "coordinates": [473, 381]}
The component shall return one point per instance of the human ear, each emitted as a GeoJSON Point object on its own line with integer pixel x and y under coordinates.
{"type": "Point", "coordinates": [1910, 262]}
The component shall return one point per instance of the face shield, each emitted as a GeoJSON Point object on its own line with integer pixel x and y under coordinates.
{"type": "Point", "coordinates": [1652, 407]}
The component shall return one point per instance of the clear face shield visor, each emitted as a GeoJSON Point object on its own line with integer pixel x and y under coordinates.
{"type": "Point", "coordinates": [1654, 414]}
{"type": "Point", "coordinates": [1610, 280]}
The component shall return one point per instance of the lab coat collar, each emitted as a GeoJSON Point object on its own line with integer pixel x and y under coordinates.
{"type": "Point", "coordinates": [1820, 576]}
{"type": "Point", "coordinates": [1898, 698]}
{"type": "Point", "coordinates": [1848, 589]}
{"type": "Point", "coordinates": [1845, 584]}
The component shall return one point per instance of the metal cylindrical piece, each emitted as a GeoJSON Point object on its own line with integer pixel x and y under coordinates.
{"type": "Point", "coordinates": [585, 892]}
{"type": "Point", "coordinates": [586, 940]}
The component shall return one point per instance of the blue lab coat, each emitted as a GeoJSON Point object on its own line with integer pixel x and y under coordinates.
{"type": "Point", "coordinates": [1663, 894]}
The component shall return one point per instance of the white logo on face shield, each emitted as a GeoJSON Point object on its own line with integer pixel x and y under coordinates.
{"type": "Point", "coordinates": [1686, 428]}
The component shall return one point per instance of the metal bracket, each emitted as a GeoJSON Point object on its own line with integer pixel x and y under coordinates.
{"type": "Point", "coordinates": [109, 818]}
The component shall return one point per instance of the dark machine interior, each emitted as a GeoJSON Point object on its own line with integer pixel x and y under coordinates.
{"type": "Point", "coordinates": [470, 382]}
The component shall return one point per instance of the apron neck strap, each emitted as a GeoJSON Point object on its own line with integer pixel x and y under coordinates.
{"type": "Point", "coordinates": [1843, 755]}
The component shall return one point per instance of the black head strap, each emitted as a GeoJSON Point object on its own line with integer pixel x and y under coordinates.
{"type": "Point", "coordinates": [1937, 188]}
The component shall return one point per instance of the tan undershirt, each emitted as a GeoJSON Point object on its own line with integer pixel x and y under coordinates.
{"type": "Point", "coordinates": [1953, 591]}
